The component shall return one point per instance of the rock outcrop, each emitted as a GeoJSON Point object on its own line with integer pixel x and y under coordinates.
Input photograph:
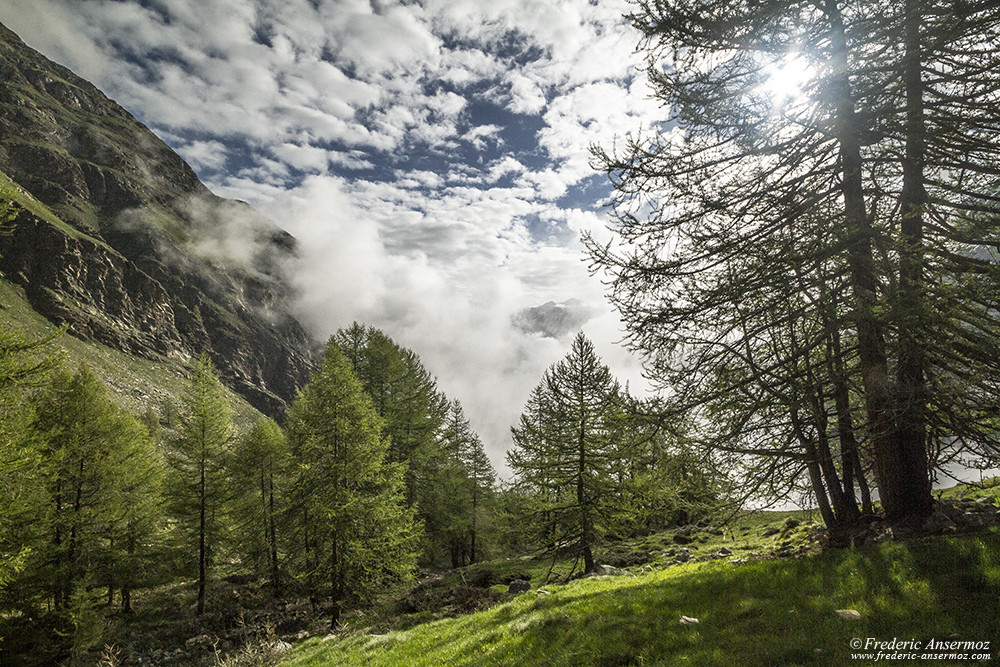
{"type": "Point", "coordinates": [129, 248]}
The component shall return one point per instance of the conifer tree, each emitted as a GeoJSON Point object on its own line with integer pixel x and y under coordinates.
{"type": "Point", "coordinates": [198, 486]}
{"type": "Point", "coordinates": [354, 532]}
{"type": "Point", "coordinates": [466, 487]}
{"type": "Point", "coordinates": [100, 471]}
{"type": "Point", "coordinates": [405, 395]}
{"type": "Point", "coordinates": [567, 446]}
{"type": "Point", "coordinates": [818, 254]}
{"type": "Point", "coordinates": [259, 466]}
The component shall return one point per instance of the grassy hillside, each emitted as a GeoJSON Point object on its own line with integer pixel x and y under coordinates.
{"type": "Point", "coordinates": [134, 382]}
{"type": "Point", "coordinates": [761, 613]}
{"type": "Point", "coordinates": [751, 608]}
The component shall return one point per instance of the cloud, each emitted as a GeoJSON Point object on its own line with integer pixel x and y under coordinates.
{"type": "Point", "coordinates": [304, 158]}
{"type": "Point", "coordinates": [430, 157]}
{"type": "Point", "coordinates": [205, 155]}
{"type": "Point", "coordinates": [448, 285]}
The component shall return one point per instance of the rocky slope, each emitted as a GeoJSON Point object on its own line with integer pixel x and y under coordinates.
{"type": "Point", "coordinates": [121, 241]}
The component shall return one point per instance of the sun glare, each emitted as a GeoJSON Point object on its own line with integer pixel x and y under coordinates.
{"type": "Point", "coordinates": [785, 81]}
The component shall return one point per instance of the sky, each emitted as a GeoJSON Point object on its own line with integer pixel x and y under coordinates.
{"type": "Point", "coordinates": [431, 157]}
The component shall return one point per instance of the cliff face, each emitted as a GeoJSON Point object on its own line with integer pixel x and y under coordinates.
{"type": "Point", "coordinates": [129, 247]}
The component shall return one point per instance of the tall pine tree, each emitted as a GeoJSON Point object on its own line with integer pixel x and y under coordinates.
{"type": "Point", "coordinates": [198, 486]}
{"type": "Point", "coordinates": [354, 533]}
{"type": "Point", "coordinates": [567, 446]}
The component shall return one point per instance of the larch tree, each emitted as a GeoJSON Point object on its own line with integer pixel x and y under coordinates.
{"type": "Point", "coordinates": [566, 448]}
{"type": "Point", "coordinates": [259, 467]}
{"type": "Point", "coordinates": [406, 396]}
{"type": "Point", "coordinates": [98, 464]}
{"type": "Point", "coordinates": [466, 486]}
{"type": "Point", "coordinates": [354, 533]}
{"type": "Point", "coordinates": [788, 259]}
{"type": "Point", "coordinates": [24, 364]}
{"type": "Point", "coordinates": [197, 485]}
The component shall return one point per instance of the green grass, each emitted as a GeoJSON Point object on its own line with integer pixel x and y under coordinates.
{"type": "Point", "coordinates": [40, 210]}
{"type": "Point", "coordinates": [777, 612]}
{"type": "Point", "coordinates": [989, 488]}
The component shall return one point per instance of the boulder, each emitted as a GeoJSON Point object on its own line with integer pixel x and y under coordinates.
{"type": "Point", "coordinates": [939, 522]}
{"type": "Point", "coordinates": [518, 586]}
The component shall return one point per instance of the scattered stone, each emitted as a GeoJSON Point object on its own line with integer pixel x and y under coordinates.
{"type": "Point", "coordinates": [542, 591]}
{"type": "Point", "coordinates": [281, 646]}
{"type": "Point", "coordinates": [849, 614]}
{"type": "Point", "coordinates": [688, 620]}
{"type": "Point", "coordinates": [683, 557]}
{"type": "Point", "coordinates": [302, 634]}
{"type": "Point", "coordinates": [680, 538]}
{"type": "Point", "coordinates": [519, 586]}
{"type": "Point", "coordinates": [724, 552]}
{"type": "Point", "coordinates": [939, 522]}
{"type": "Point", "coordinates": [881, 536]}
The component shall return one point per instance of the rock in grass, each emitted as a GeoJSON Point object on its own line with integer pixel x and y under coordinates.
{"type": "Point", "coordinates": [519, 586]}
{"type": "Point", "coordinates": [688, 620]}
{"type": "Point", "coordinates": [849, 614]}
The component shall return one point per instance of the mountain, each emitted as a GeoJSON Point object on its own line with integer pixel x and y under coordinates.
{"type": "Point", "coordinates": [553, 320]}
{"type": "Point", "coordinates": [119, 241]}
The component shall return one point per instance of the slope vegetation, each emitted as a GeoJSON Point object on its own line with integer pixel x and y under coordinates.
{"type": "Point", "coordinates": [124, 245]}
{"type": "Point", "coordinates": [759, 593]}
{"type": "Point", "coordinates": [779, 612]}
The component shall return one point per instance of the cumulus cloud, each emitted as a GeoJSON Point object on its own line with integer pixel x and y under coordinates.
{"type": "Point", "coordinates": [453, 300]}
{"type": "Point", "coordinates": [429, 156]}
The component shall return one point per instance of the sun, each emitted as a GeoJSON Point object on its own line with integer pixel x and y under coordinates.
{"type": "Point", "coordinates": [785, 81]}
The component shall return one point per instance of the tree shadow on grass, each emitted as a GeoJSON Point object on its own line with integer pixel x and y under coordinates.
{"type": "Point", "coordinates": [763, 613]}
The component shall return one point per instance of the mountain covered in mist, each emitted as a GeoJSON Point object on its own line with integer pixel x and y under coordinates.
{"type": "Point", "coordinates": [120, 242]}
{"type": "Point", "coordinates": [553, 320]}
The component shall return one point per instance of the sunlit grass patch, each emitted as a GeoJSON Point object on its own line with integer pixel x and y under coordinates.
{"type": "Point", "coordinates": [766, 612]}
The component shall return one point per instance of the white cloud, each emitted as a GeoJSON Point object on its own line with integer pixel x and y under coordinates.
{"type": "Point", "coordinates": [526, 95]}
{"type": "Point", "coordinates": [304, 158]}
{"type": "Point", "coordinates": [205, 154]}
{"type": "Point", "coordinates": [438, 253]}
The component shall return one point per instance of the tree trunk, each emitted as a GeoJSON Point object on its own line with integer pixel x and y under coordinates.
{"type": "Point", "coordinates": [913, 479]}
{"type": "Point", "coordinates": [273, 539]}
{"type": "Point", "coordinates": [861, 265]}
{"type": "Point", "coordinates": [581, 497]}
{"type": "Point", "coordinates": [201, 543]}
{"type": "Point", "coordinates": [472, 535]}
{"type": "Point", "coordinates": [57, 539]}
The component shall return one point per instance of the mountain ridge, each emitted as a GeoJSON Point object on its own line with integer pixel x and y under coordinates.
{"type": "Point", "coordinates": [119, 240]}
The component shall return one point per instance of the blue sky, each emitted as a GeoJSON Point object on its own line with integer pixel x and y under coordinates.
{"type": "Point", "coordinates": [431, 156]}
